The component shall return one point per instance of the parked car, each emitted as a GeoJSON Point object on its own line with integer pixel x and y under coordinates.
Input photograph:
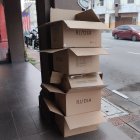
{"type": "Point", "coordinates": [131, 32]}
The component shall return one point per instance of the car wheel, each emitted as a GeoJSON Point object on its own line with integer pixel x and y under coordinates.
{"type": "Point", "coordinates": [116, 36]}
{"type": "Point", "coordinates": [134, 38]}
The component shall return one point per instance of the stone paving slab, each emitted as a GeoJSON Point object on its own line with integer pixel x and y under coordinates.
{"type": "Point", "coordinates": [130, 118]}
{"type": "Point", "coordinates": [131, 94]}
{"type": "Point", "coordinates": [106, 92]}
{"type": "Point", "coordinates": [135, 100]}
{"type": "Point", "coordinates": [116, 121]}
{"type": "Point", "coordinates": [132, 133]}
{"type": "Point", "coordinates": [135, 125]}
{"type": "Point", "coordinates": [124, 103]}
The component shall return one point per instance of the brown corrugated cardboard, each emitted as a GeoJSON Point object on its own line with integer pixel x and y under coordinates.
{"type": "Point", "coordinates": [90, 80]}
{"type": "Point", "coordinates": [76, 60]}
{"type": "Point", "coordinates": [87, 15]}
{"type": "Point", "coordinates": [68, 83]}
{"type": "Point", "coordinates": [56, 77]}
{"type": "Point", "coordinates": [61, 14]}
{"type": "Point", "coordinates": [67, 32]}
{"type": "Point", "coordinates": [76, 124]}
{"type": "Point", "coordinates": [77, 101]}
{"type": "Point", "coordinates": [68, 62]}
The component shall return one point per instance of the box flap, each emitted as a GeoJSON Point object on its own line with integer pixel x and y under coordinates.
{"type": "Point", "coordinates": [88, 51]}
{"type": "Point", "coordinates": [51, 50]}
{"type": "Point", "coordinates": [52, 88]}
{"type": "Point", "coordinates": [80, 51]}
{"type": "Point", "coordinates": [56, 78]}
{"type": "Point", "coordinates": [72, 24]}
{"type": "Point", "coordinates": [62, 14]}
{"type": "Point", "coordinates": [88, 80]}
{"type": "Point", "coordinates": [85, 25]}
{"type": "Point", "coordinates": [86, 119]}
{"type": "Point", "coordinates": [52, 107]}
{"type": "Point", "coordinates": [87, 15]}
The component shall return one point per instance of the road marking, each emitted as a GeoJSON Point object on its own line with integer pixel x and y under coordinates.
{"type": "Point", "coordinates": [120, 94]}
{"type": "Point", "coordinates": [134, 53]}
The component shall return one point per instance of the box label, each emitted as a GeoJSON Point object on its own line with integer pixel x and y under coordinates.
{"type": "Point", "coordinates": [83, 32]}
{"type": "Point", "coordinates": [83, 101]}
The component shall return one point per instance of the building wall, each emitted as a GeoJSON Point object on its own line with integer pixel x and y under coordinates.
{"type": "Point", "coordinates": [131, 11]}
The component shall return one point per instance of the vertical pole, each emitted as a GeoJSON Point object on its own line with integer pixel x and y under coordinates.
{"type": "Point", "coordinates": [107, 18]}
{"type": "Point", "coordinates": [43, 16]}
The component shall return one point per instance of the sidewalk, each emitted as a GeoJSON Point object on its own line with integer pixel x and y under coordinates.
{"type": "Point", "coordinates": [129, 124]}
{"type": "Point", "coordinates": [33, 57]}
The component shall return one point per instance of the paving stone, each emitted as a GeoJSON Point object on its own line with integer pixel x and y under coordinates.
{"type": "Point", "coordinates": [131, 94]}
{"type": "Point", "coordinates": [106, 92]}
{"type": "Point", "coordinates": [130, 118]}
{"type": "Point", "coordinates": [114, 98]}
{"type": "Point", "coordinates": [123, 103]}
{"type": "Point", "coordinates": [135, 125]}
{"type": "Point", "coordinates": [8, 131]}
{"type": "Point", "coordinates": [135, 100]}
{"type": "Point", "coordinates": [32, 137]}
{"type": "Point", "coordinates": [131, 107]}
{"type": "Point", "coordinates": [129, 131]}
{"type": "Point", "coordinates": [116, 121]}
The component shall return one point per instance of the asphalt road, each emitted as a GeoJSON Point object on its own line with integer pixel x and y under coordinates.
{"type": "Point", "coordinates": [121, 67]}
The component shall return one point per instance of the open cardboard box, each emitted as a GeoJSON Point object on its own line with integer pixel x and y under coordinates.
{"type": "Point", "coordinates": [76, 124]}
{"type": "Point", "coordinates": [76, 60]}
{"type": "Point", "coordinates": [67, 83]}
{"type": "Point", "coordinates": [76, 101]}
{"type": "Point", "coordinates": [68, 31]}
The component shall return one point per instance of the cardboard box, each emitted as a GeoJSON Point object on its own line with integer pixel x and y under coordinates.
{"type": "Point", "coordinates": [62, 14]}
{"type": "Point", "coordinates": [66, 14]}
{"type": "Point", "coordinates": [76, 124]}
{"type": "Point", "coordinates": [67, 32]}
{"type": "Point", "coordinates": [77, 101]}
{"type": "Point", "coordinates": [76, 60]}
{"type": "Point", "coordinates": [68, 83]}
{"type": "Point", "coordinates": [87, 15]}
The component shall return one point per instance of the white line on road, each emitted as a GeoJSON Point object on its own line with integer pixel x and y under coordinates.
{"type": "Point", "coordinates": [120, 94]}
{"type": "Point", "coordinates": [134, 53]}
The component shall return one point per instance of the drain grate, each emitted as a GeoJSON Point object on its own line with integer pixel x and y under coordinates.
{"type": "Point", "coordinates": [110, 110]}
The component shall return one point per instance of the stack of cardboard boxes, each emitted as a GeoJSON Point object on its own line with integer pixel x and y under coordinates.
{"type": "Point", "coordinates": [75, 83]}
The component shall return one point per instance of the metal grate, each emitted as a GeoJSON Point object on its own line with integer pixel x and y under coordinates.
{"type": "Point", "coordinates": [110, 110]}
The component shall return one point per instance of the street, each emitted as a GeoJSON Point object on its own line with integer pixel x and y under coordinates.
{"type": "Point", "coordinates": [121, 67]}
